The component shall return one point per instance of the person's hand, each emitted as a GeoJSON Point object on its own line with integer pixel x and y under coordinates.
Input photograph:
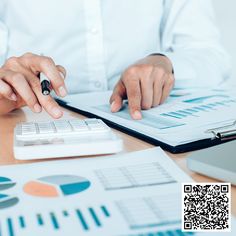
{"type": "Point", "coordinates": [145, 84]}
{"type": "Point", "coordinates": [20, 85]}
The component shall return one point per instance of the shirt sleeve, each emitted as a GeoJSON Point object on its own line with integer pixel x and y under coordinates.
{"type": "Point", "coordinates": [3, 42]}
{"type": "Point", "coordinates": [191, 39]}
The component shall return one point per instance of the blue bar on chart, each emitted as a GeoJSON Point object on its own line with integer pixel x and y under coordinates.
{"type": "Point", "coordinates": [212, 104]}
{"type": "Point", "coordinates": [10, 227]}
{"type": "Point", "coordinates": [95, 217]}
{"type": "Point", "coordinates": [93, 213]}
{"type": "Point", "coordinates": [105, 211]}
{"type": "Point", "coordinates": [54, 220]}
{"type": "Point", "coordinates": [186, 112]}
{"type": "Point", "coordinates": [180, 114]}
{"type": "Point", "coordinates": [177, 114]}
{"type": "Point", "coordinates": [199, 108]}
{"type": "Point", "coordinates": [192, 110]}
{"type": "Point", "coordinates": [204, 98]}
{"type": "Point", "coordinates": [208, 107]}
{"type": "Point", "coordinates": [40, 219]}
{"type": "Point", "coordinates": [82, 220]}
{"type": "Point", "coordinates": [65, 213]}
{"type": "Point", "coordinates": [171, 115]}
{"type": "Point", "coordinates": [22, 221]}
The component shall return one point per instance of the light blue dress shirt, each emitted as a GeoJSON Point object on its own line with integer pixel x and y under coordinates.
{"type": "Point", "coordinates": [96, 40]}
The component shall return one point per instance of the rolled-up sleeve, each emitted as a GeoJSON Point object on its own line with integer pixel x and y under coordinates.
{"type": "Point", "coordinates": [191, 39]}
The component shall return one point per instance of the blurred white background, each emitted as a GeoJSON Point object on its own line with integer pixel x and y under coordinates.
{"type": "Point", "coordinates": [225, 13]}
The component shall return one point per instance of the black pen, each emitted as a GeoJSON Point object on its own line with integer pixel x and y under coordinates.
{"type": "Point", "coordinates": [45, 84]}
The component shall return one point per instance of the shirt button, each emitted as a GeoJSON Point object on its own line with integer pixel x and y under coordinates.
{"type": "Point", "coordinates": [98, 84]}
{"type": "Point", "coordinates": [94, 30]}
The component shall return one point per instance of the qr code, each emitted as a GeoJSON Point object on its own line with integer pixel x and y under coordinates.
{"type": "Point", "coordinates": [206, 207]}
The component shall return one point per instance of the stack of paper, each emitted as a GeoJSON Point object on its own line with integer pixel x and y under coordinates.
{"type": "Point", "coordinates": [120, 195]}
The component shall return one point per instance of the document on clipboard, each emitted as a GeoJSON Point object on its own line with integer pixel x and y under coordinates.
{"type": "Point", "coordinates": [189, 120]}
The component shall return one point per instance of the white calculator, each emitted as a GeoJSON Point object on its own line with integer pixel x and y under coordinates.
{"type": "Point", "coordinates": [64, 138]}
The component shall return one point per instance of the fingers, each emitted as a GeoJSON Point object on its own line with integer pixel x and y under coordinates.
{"type": "Point", "coordinates": [168, 86]}
{"type": "Point", "coordinates": [47, 66]}
{"type": "Point", "coordinates": [6, 91]}
{"type": "Point", "coordinates": [163, 84]}
{"type": "Point", "coordinates": [134, 98]}
{"type": "Point", "coordinates": [29, 92]}
{"type": "Point", "coordinates": [159, 80]}
{"type": "Point", "coordinates": [62, 71]}
{"type": "Point", "coordinates": [19, 82]}
{"type": "Point", "coordinates": [6, 106]}
{"type": "Point", "coordinates": [117, 97]}
{"type": "Point", "coordinates": [49, 104]}
{"type": "Point", "coordinates": [46, 102]}
{"type": "Point", "coordinates": [21, 86]}
{"type": "Point", "coordinates": [145, 86]}
{"type": "Point", "coordinates": [127, 87]}
{"type": "Point", "coordinates": [147, 92]}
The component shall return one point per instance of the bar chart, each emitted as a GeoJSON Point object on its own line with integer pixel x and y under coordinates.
{"type": "Point", "coordinates": [196, 109]}
{"type": "Point", "coordinates": [134, 176]}
{"type": "Point", "coordinates": [204, 98]}
{"type": "Point", "coordinates": [83, 220]}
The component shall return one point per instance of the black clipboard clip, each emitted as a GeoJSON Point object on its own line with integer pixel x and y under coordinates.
{"type": "Point", "coordinates": [224, 133]}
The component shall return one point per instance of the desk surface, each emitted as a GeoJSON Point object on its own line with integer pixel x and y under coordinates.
{"type": "Point", "coordinates": [8, 122]}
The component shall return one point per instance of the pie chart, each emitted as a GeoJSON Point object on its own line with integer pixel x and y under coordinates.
{"type": "Point", "coordinates": [7, 201]}
{"type": "Point", "coordinates": [6, 183]}
{"type": "Point", "coordinates": [56, 186]}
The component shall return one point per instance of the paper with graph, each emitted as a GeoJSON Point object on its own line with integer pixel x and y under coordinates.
{"type": "Point", "coordinates": [186, 117]}
{"type": "Point", "coordinates": [114, 195]}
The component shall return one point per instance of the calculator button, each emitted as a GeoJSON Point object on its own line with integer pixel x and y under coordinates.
{"type": "Point", "coordinates": [28, 129]}
{"type": "Point", "coordinates": [28, 132]}
{"type": "Point", "coordinates": [96, 125]}
{"type": "Point", "coordinates": [62, 126]}
{"type": "Point", "coordinates": [92, 121]}
{"type": "Point", "coordinates": [28, 126]}
{"type": "Point", "coordinates": [79, 125]}
{"type": "Point", "coordinates": [45, 127]}
{"type": "Point", "coordinates": [79, 122]}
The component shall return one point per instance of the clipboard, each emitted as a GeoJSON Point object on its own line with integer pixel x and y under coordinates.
{"type": "Point", "coordinates": [220, 134]}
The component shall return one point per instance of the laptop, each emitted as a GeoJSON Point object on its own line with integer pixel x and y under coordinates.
{"type": "Point", "coordinates": [218, 162]}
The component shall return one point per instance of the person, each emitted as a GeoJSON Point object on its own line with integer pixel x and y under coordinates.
{"type": "Point", "coordinates": [130, 46]}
